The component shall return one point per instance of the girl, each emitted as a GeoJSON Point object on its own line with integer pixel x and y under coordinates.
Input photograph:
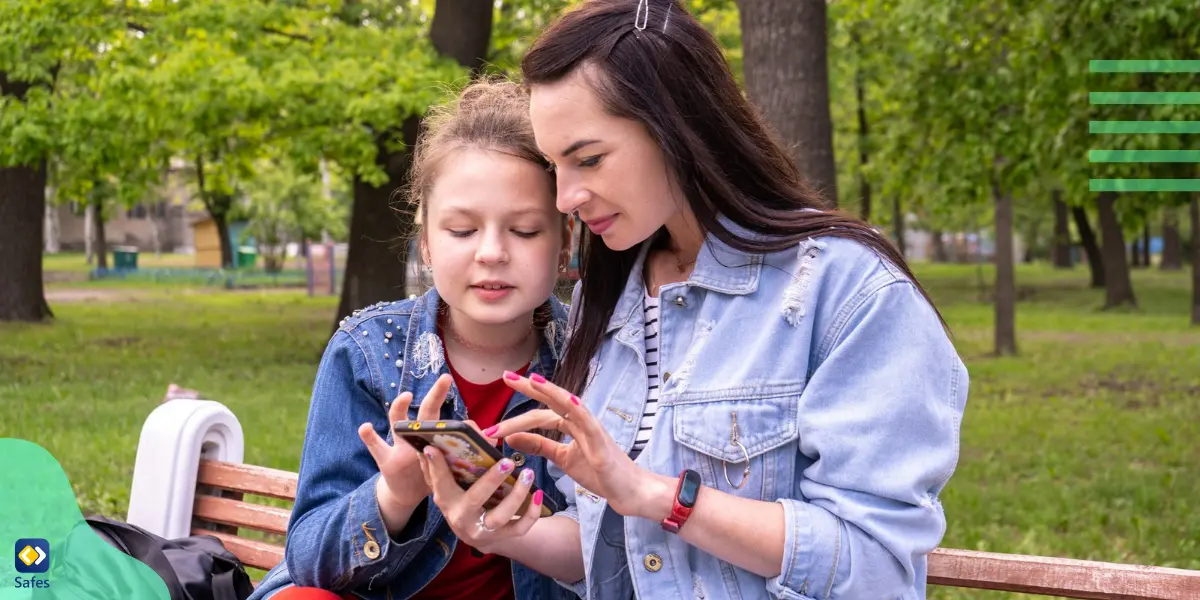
{"type": "Point", "coordinates": [760, 400]}
{"type": "Point", "coordinates": [363, 525]}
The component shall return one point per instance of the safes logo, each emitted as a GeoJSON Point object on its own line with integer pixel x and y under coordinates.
{"type": "Point", "coordinates": [33, 555]}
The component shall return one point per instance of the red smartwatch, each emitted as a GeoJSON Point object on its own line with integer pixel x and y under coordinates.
{"type": "Point", "coordinates": [685, 499]}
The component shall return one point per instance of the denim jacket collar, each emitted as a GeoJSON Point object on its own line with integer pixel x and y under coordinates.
{"type": "Point", "coordinates": [426, 357]}
{"type": "Point", "coordinates": [719, 268]}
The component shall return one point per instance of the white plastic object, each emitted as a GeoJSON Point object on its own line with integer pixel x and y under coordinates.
{"type": "Point", "coordinates": [174, 438]}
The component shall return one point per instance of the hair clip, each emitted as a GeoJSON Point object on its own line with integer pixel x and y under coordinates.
{"type": "Point", "coordinates": [642, 14]}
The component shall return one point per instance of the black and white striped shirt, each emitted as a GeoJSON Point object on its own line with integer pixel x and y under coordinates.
{"type": "Point", "coordinates": [646, 427]}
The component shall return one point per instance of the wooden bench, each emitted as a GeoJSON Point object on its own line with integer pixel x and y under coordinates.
{"type": "Point", "coordinates": [189, 477]}
{"type": "Point", "coordinates": [229, 515]}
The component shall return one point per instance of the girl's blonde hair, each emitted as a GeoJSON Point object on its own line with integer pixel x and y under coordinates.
{"type": "Point", "coordinates": [489, 114]}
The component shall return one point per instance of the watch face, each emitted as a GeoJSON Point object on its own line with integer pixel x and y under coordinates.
{"type": "Point", "coordinates": [689, 487]}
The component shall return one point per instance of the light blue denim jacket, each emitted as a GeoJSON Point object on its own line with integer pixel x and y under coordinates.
{"type": "Point", "coordinates": [374, 355]}
{"type": "Point", "coordinates": [847, 395]}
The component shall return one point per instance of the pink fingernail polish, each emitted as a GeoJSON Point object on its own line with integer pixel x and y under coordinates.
{"type": "Point", "coordinates": [506, 465]}
{"type": "Point", "coordinates": [537, 378]}
{"type": "Point", "coordinates": [509, 375]}
{"type": "Point", "coordinates": [491, 431]}
{"type": "Point", "coordinates": [537, 497]}
{"type": "Point", "coordinates": [428, 453]}
{"type": "Point", "coordinates": [574, 400]}
{"type": "Point", "coordinates": [527, 476]}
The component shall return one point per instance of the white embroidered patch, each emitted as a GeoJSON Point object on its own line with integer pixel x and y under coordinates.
{"type": "Point", "coordinates": [556, 336]}
{"type": "Point", "coordinates": [428, 355]}
{"type": "Point", "coordinates": [680, 377]}
{"type": "Point", "coordinates": [796, 294]}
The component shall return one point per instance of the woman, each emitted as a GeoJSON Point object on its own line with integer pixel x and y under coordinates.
{"type": "Point", "coordinates": [363, 525]}
{"type": "Point", "coordinates": [768, 403]}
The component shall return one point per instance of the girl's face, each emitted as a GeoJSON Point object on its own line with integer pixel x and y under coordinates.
{"type": "Point", "coordinates": [609, 169]}
{"type": "Point", "coordinates": [492, 236]}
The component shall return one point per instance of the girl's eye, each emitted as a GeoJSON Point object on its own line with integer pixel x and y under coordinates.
{"type": "Point", "coordinates": [591, 161]}
{"type": "Point", "coordinates": [526, 234]}
{"type": "Point", "coordinates": [550, 167]}
{"type": "Point", "coordinates": [461, 233]}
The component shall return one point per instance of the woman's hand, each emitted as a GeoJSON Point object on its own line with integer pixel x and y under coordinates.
{"type": "Point", "coordinates": [591, 458]}
{"type": "Point", "coordinates": [474, 525]}
{"type": "Point", "coordinates": [401, 485]}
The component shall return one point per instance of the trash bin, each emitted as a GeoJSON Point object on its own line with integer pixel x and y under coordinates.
{"type": "Point", "coordinates": [247, 257]}
{"type": "Point", "coordinates": [125, 258]}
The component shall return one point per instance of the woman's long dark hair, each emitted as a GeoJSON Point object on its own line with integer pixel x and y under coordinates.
{"type": "Point", "coordinates": [671, 77]}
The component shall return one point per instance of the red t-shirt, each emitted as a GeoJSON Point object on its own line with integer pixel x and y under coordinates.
{"type": "Point", "coordinates": [468, 574]}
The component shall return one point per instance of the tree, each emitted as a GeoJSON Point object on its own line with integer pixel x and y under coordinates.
{"type": "Point", "coordinates": [1061, 249]}
{"type": "Point", "coordinates": [1118, 285]}
{"type": "Point", "coordinates": [39, 44]}
{"type": "Point", "coordinates": [1172, 254]}
{"type": "Point", "coordinates": [787, 75]}
{"type": "Point", "coordinates": [1091, 249]}
{"type": "Point", "coordinates": [1194, 213]}
{"type": "Point", "coordinates": [375, 264]}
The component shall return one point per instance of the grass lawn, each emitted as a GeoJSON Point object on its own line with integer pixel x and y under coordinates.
{"type": "Point", "coordinates": [1083, 446]}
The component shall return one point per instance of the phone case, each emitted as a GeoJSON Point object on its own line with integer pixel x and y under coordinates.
{"type": "Point", "coordinates": [469, 456]}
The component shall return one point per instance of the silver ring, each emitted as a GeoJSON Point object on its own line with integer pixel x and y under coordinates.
{"type": "Point", "coordinates": [481, 525]}
{"type": "Point", "coordinates": [745, 474]}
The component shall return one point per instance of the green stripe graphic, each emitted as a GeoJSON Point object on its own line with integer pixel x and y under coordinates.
{"type": "Point", "coordinates": [1167, 127]}
{"type": "Point", "coordinates": [1144, 185]}
{"type": "Point", "coordinates": [1143, 156]}
{"type": "Point", "coordinates": [1144, 97]}
{"type": "Point", "coordinates": [1144, 66]}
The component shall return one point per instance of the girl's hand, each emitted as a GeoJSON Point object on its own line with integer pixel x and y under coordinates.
{"type": "Point", "coordinates": [591, 458]}
{"type": "Point", "coordinates": [475, 526]}
{"type": "Point", "coordinates": [401, 485]}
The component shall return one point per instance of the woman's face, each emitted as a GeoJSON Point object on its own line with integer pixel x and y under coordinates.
{"type": "Point", "coordinates": [492, 236]}
{"type": "Point", "coordinates": [609, 169]}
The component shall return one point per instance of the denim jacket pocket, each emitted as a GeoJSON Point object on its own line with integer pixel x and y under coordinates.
{"type": "Point", "coordinates": [742, 439]}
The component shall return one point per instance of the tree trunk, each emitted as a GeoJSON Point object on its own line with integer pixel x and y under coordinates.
{"type": "Point", "coordinates": [220, 218]}
{"type": "Point", "coordinates": [938, 251]}
{"type": "Point", "coordinates": [1091, 248]}
{"type": "Point", "coordinates": [786, 68]}
{"type": "Point", "coordinates": [1135, 254]}
{"type": "Point", "coordinates": [1146, 258]}
{"type": "Point", "coordinates": [22, 208]}
{"type": "Point", "coordinates": [1118, 285]}
{"type": "Point", "coordinates": [52, 224]}
{"type": "Point", "coordinates": [101, 235]}
{"type": "Point", "coordinates": [89, 233]}
{"type": "Point", "coordinates": [218, 206]}
{"type": "Point", "coordinates": [1194, 212]}
{"type": "Point", "coordinates": [1031, 242]}
{"type": "Point", "coordinates": [898, 224]}
{"type": "Point", "coordinates": [864, 185]}
{"type": "Point", "coordinates": [1172, 255]}
{"type": "Point", "coordinates": [377, 258]}
{"type": "Point", "coordinates": [1061, 249]}
{"type": "Point", "coordinates": [462, 30]}
{"type": "Point", "coordinates": [378, 251]}
{"type": "Point", "coordinates": [1006, 284]}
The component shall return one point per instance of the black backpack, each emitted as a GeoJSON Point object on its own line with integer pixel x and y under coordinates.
{"type": "Point", "coordinates": [194, 568]}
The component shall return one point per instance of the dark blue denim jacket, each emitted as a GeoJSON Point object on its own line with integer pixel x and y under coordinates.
{"type": "Point", "coordinates": [376, 354]}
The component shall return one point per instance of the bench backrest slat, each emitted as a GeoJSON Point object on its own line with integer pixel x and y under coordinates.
{"type": "Point", "coordinates": [1061, 577]}
{"type": "Point", "coordinates": [226, 511]}
{"type": "Point", "coordinates": [249, 479]}
{"type": "Point", "coordinates": [252, 553]}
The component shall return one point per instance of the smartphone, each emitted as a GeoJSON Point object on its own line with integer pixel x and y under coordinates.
{"type": "Point", "coordinates": [469, 456]}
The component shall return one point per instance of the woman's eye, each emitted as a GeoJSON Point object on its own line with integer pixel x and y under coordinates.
{"type": "Point", "coordinates": [461, 233]}
{"type": "Point", "coordinates": [526, 234]}
{"type": "Point", "coordinates": [591, 161]}
{"type": "Point", "coordinates": [550, 167]}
